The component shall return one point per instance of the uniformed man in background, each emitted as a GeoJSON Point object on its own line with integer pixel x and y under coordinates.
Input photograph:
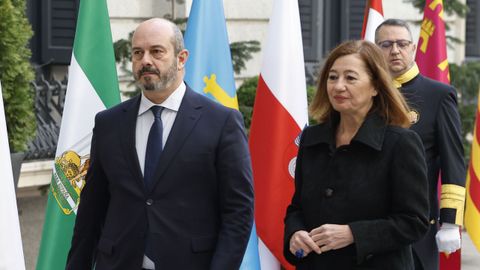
{"type": "Point", "coordinates": [435, 118]}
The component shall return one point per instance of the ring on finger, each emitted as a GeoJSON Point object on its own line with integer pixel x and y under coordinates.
{"type": "Point", "coordinates": [299, 253]}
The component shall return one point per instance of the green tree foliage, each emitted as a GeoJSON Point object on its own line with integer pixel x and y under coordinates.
{"type": "Point", "coordinates": [242, 52]}
{"type": "Point", "coordinates": [123, 50]}
{"type": "Point", "coordinates": [16, 73]}
{"type": "Point", "coordinates": [246, 98]}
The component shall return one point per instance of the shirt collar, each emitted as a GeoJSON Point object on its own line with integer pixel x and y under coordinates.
{"type": "Point", "coordinates": [407, 76]}
{"type": "Point", "coordinates": [172, 102]}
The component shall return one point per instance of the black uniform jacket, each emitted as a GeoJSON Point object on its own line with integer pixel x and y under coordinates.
{"type": "Point", "coordinates": [197, 215]}
{"type": "Point", "coordinates": [437, 121]}
{"type": "Point", "coordinates": [377, 185]}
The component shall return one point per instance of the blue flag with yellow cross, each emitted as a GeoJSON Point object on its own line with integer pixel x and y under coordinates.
{"type": "Point", "coordinates": [209, 67]}
{"type": "Point", "coordinates": [209, 71]}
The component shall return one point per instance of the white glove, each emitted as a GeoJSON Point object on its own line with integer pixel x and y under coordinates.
{"type": "Point", "coordinates": [448, 238]}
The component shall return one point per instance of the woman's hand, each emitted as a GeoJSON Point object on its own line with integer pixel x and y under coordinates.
{"type": "Point", "coordinates": [331, 236]}
{"type": "Point", "coordinates": [301, 244]}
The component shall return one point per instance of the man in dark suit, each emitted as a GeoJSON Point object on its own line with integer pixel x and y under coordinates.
{"type": "Point", "coordinates": [168, 187]}
{"type": "Point", "coordinates": [435, 118]}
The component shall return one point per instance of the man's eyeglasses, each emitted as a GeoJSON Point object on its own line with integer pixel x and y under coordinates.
{"type": "Point", "coordinates": [402, 44]}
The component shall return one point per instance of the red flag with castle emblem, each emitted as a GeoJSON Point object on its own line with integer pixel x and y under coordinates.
{"type": "Point", "coordinates": [431, 55]}
{"type": "Point", "coordinates": [432, 61]}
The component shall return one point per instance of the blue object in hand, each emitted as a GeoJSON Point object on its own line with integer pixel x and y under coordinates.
{"type": "Point", "coordinates": [299, 253]}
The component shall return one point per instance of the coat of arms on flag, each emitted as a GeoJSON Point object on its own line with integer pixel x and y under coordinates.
{"type": "Point", "coordinates": [69, 179]}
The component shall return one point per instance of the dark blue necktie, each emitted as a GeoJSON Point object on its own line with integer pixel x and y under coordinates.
{"type": "Point", "coordinates": [152, 157]}
{"type": "Point", "coordinates": [154, 146]}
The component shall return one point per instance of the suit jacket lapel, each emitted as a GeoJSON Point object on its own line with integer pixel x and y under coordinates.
{"type": "Point", "coordinates": [128, 137]}
{"type": "Point", "coordinates": [187, 117]}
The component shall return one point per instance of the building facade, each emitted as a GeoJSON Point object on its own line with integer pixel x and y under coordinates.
{"type": "Point", "coordinates": [325, 23]}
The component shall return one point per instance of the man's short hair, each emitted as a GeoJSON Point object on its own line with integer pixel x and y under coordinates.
{"type": "Point", "coordinates": [393, 22]}
{"type": "Point", "coordinates": [177, 39]}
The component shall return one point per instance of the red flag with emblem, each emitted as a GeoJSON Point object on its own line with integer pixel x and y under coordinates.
{"type": "Point", "coordinates": [431, 55]}
{"type": "Point", "coordinates": [432, 61]}
{"type": "Point", "coordinates": [279, 115]}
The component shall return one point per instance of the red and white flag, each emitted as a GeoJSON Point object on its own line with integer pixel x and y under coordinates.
{"type": "Point", "coordinates": [279, 115]}
{"type": "Point", "coordinates": [372, 18]}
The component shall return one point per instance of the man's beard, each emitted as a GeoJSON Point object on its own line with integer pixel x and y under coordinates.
{"type": "Point", "coordinates": [166, 78]}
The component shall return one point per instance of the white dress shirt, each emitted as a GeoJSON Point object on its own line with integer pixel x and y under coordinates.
{"type": "Point", "coordinates": [144, 123]}
{"type": "Point", "coordinates": [145, 120]}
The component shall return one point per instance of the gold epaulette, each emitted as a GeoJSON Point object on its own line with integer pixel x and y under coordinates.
{"type": "Point", "coordinates": [453, 197]}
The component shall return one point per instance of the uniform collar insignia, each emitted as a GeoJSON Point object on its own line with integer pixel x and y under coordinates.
{"type": "Point", "coordinates": [407, 76]}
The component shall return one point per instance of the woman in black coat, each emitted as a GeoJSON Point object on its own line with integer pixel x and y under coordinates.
{"type": "Point", "coordinates": [360, 182]}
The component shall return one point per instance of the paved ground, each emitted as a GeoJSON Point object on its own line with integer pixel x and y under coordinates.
{"type": "Point", "coordinates": [32, 205]}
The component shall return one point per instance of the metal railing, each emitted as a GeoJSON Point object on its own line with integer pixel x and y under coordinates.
{"type": "Point", "coordinates": [49, 101]}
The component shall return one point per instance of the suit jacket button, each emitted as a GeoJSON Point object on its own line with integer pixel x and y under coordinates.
{"type": "Point", "coordinates": [149, 202]}
{"type": "Point", "coordinates": [369, 257]}
{"type": "Point", "coordinates": [328, 192]}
